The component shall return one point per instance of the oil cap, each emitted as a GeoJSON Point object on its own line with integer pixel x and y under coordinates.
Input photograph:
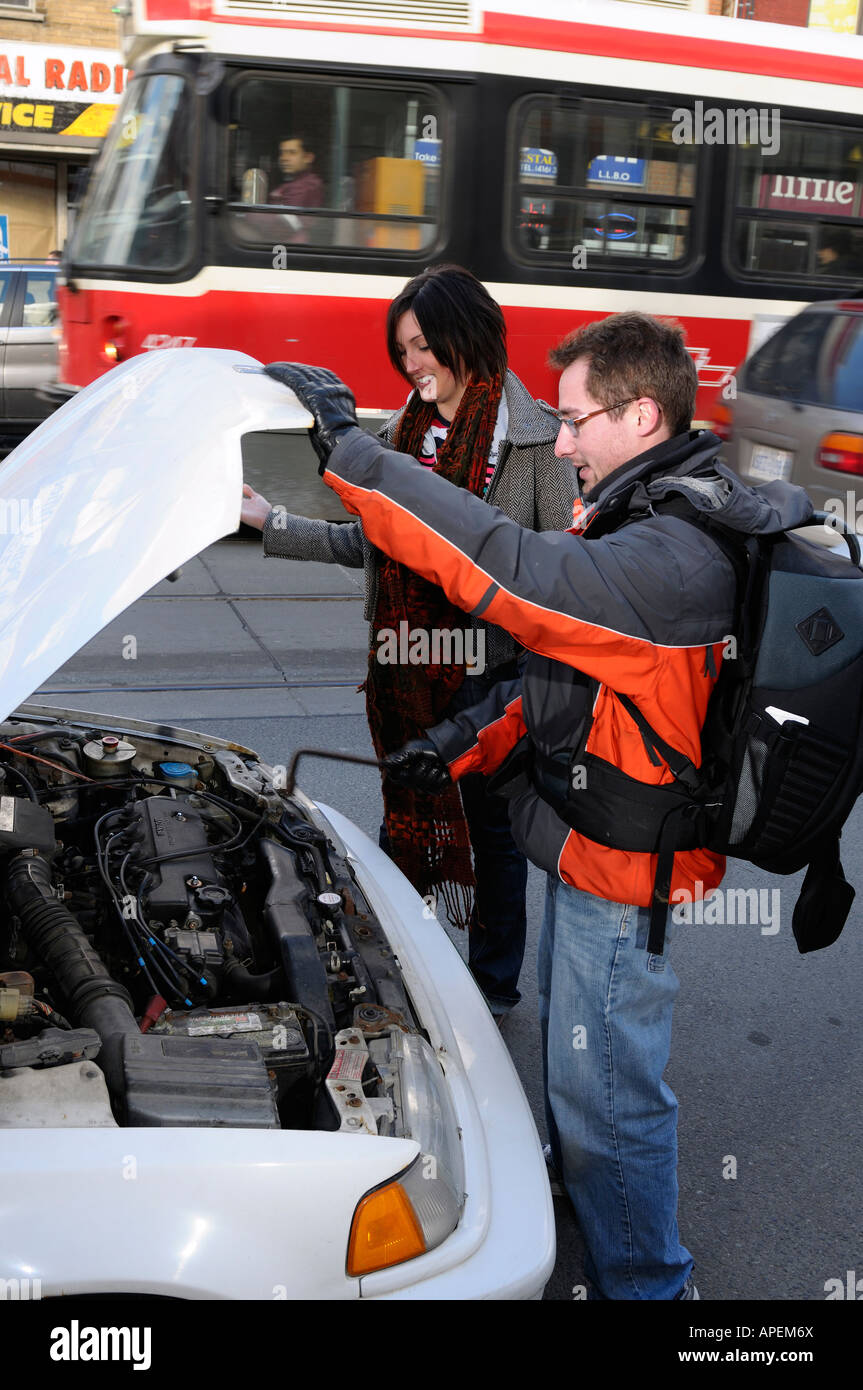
{"type": "Point", "coordinates": [328, 903]}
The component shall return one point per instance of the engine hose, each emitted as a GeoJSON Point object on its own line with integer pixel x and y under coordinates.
{"type": "Point", "coordinates": [95, 999]}
{"type": "Point", "coordinates": [238, 983]}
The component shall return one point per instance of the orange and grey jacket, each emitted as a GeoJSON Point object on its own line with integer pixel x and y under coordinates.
{"type": "Point", "coordinates": [638, 603]}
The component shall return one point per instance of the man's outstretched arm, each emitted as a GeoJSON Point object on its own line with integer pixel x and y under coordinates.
{"type": "Point", "coordinates": [616, 609]}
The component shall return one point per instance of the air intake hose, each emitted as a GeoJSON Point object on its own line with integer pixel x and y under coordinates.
{"type": "Point", "coordinates": [95, 1000]}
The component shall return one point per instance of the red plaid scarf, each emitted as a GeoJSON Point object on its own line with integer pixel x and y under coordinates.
{"type": "Point", "coordinates": [428, 834]}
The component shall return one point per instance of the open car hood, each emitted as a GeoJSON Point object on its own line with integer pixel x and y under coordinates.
{"type": "Point", "coordinates": [131, 478]}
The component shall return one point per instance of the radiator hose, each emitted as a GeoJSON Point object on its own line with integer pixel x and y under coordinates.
{"type": "Point", "coordinates": [95, 1000]}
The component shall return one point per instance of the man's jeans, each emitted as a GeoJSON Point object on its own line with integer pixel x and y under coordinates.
{"type": "Point", "coordinates": [605, 1011]}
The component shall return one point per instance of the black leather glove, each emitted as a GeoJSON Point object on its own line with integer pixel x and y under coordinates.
{"type": "Point", "coordinates": [419, 765]}
{"type": "Point", "coordinates": [325, 396]}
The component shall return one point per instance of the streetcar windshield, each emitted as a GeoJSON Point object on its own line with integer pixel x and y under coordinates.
{"type": "Point", "coordinates": [138, 212]}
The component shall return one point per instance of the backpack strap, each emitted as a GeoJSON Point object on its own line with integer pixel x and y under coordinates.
{"type": "Point", "coordinates": [822, 908]}
{"type": "Point", "coordinates": [741, 552]}
{"type": "Point", "coordinates": [683, 769]}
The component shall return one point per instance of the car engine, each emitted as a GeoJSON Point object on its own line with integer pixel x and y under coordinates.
{"type": "Point", "coordinates": [181, 942]}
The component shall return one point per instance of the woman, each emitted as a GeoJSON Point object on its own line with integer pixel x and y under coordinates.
{"type": "Point", "coordinates": [470, 419]}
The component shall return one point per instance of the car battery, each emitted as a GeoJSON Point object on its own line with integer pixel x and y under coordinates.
{"type": "Point", "coordinates": [274, 1027]}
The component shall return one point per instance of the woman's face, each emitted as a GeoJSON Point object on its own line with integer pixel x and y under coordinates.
{"type": "Point", "coordinates": [433, 381]}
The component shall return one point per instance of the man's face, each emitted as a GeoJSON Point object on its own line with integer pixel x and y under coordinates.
{"type": "Point", "coordinates": [603, 443]}
{"type": "Point", "coordinates": [293, 157]}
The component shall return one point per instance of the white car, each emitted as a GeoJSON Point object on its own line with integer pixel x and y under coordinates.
{"type": "Point", "coordinates": [230, 1026]}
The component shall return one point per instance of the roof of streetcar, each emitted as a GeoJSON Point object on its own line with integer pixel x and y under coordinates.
{"type": "Point", "coordinates": [541, 39]}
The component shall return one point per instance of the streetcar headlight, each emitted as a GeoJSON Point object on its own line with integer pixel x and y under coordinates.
{"type": "Point", "coordinates": [114, 341]}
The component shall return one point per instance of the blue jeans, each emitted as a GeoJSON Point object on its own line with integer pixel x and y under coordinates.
{"type": "Point", "coordinates": [499, 921]}
{"type": "Point", "coordinates": [605, 1012]}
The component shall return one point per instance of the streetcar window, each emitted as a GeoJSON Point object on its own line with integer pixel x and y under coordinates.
{"type": "Point", "coordinates": [137, 212]}
{"type": "Point", "coordinates": [799, 211]}
{"type": "Point", "coordinates": [322, 165]}
{"type": "Point", "coordinates": [598, 185]}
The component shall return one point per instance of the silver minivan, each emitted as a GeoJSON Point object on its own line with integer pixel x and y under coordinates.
{"type": "Point", "coordinates": [798, 413]}
{"type": "Point", "coordinates": [28, 344]}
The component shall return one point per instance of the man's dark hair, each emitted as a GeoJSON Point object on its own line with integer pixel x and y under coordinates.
{"type": "Point", "coordinates": [836, 239]}
{"type": "Point", "coordinates": [308, 148]}
{"type": "Point", "coordinates": [631, 355]}
{"type": "Point", "coordinates": [462, 324]}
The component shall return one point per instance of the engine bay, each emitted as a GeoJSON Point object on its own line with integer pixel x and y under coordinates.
{"type": "Point", "coordinates": [182, 943]}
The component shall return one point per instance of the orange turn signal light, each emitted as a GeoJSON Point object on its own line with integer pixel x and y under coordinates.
{"type": "Point", "coordinates": [384, 1231]}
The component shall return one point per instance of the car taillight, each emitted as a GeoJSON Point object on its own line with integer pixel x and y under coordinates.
{"type": "Point", "coordinates": [721, 423]}
{"type": "Point", "coordinates": [842, 453]}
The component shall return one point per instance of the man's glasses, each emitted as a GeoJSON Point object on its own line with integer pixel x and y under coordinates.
{"type": "Point", "coordinates": [574, 423]}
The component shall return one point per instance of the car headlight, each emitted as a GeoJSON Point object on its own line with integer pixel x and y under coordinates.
{"type": "Point", "coordinates": [416, 1211]}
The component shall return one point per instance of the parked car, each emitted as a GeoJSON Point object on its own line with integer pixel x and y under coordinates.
{"type": "Point", "coordinates": [798, 411]}
{"type": "Point", "coordinates": [28, 345]}
{"type": "Point", "coordinates": [235, 1037]}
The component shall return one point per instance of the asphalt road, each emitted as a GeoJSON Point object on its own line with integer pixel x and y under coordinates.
{"type": "Point", "coordinates": [767, 1052]}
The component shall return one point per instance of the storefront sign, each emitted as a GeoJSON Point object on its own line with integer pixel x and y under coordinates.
{"type": "Point", "coordinates": [799, 193]}
{"type": "Point", "coordinates": [619, 169]}
{"type": "Point", "coordinates": [45, 70]}
{"type": "Point", "coordinates": [428, 153]}
{"type": "Point", "coordinates": [838, 15]}
{"type": "Point", "coordinates": [59, 90]}
{"type": "Point", "coordinates": [535, 163]}
{"type": "Point", "coordinates": [58, 118]}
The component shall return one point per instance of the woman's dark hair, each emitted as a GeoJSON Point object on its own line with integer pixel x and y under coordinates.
{"type": "Point", "coordinates": [462, 324]}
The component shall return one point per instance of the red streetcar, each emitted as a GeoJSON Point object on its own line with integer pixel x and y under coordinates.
{"type": "Point", "coordinates": [277, 171]}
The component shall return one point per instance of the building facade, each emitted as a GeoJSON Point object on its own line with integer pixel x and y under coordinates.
{"type": "Point", "coordinates": [61, 78]}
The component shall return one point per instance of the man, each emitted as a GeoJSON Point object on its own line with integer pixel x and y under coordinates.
{"type": "Point", "coordinates": [301, 188]}
{"type": "Point", "coordinates": [627, 616]}
{"type": "Point", "coordinates": [835, 255]}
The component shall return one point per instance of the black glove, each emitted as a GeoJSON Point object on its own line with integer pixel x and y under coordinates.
{"type": "Point", "coordinates": [419, 765]}
{"type": "Point", "coordinates": [326, 396]}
